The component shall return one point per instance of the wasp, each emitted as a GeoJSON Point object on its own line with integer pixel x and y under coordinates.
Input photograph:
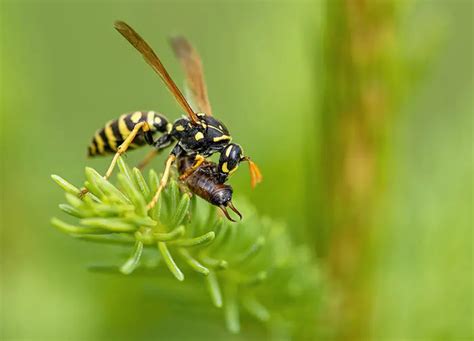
{"type": "Point", "coordinates": [194, 137]}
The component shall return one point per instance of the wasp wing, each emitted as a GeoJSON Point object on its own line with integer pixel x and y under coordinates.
{"type": "Point", "coordinates": [152, 59]}
{"type": "Point", "coordinates": [192, 65]}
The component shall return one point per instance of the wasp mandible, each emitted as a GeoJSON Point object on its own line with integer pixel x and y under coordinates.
{"type": "Point", "coordinates": [194, 138]}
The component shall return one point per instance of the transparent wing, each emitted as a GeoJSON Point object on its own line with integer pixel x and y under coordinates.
{"type": "Point", "coordinates": [192, 65]}
{"type": "Point", "coordinates": [152, 59]}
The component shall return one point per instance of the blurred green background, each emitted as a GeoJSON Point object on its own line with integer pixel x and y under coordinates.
{"type": "Point", "coordinates": [360, 114]}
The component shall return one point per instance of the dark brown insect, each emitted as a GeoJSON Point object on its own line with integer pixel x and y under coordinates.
{"type": "Point", "coordinates": [204, 182]}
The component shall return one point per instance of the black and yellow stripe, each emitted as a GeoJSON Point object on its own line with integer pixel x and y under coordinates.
{"type": "Point", "coordinates": [107, 139]}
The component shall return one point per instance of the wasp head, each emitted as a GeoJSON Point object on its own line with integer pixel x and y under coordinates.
{"type": "Point", "coordinates": [229, 161]}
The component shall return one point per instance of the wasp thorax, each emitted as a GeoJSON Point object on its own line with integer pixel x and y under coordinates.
{"type": "Point", "coordinates": [216, 131]}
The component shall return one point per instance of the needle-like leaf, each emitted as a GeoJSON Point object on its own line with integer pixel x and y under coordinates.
{"type": "Point", "coordinates": [205, 238]}
{"type": "Point", "coordinates": [239, 257]}
{"type": "Point", "coordinates": [214, 289]}
{"type": "Point", "coordinates": [170, 261]}
{"type": "Point", "coordinates": [132, 263]}
{"type": "Point", "coordinates": [176, 233]}
{"type": "Point", "coordinates": [192, 262]}
{"type": "Point", "coordinates": [231, 308]}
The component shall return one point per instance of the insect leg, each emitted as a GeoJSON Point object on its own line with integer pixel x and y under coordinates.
{"type": "Point", "coordinates": [161, 143]}
{"type": "Point", "coordinates": [146, 160]}
{"type": "Point", "coordinates": [163, 181]}
{"type": "Point", "coordinates": [198, 160]}
{"type": "Point", "coordinates": [124, 146]}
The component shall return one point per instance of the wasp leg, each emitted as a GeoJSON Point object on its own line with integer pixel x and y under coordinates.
{"type": "Point", "coordinates": [148, 157]}
{"type": "Point", "coordinates": [198, 160]}
{"type": "Point", "coordinates": [124, 146]}
{"type": "Point", "coordinates": [161, 143]}
{"type": "Point", "coordinates": [163, 181]}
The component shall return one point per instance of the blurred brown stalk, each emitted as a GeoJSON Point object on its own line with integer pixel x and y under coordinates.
{"type": "Point", "coordinates": [357, 105]}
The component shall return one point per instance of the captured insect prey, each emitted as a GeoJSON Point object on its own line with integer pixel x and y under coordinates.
{"type": "Point", "coordinates": [204, 182]}
{"type": "Point", "coordinates": [192, 138]}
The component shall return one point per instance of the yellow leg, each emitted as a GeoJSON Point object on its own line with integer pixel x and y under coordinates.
{"type": "Point", "coordinates": [120, 150]}
{"type": "Point", "coordinates": [146, 160]}
{"type": "Point", "coordinates": [197, 162]}
{"type": "Point", "coordinates": [124, 146]}
{"type": "Point", "coordinates": [163, 181]}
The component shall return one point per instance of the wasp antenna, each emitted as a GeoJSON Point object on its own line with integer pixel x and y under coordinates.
{"type": "Point", "coordinates": [255, 174]}
{"type": "Point", "coordinates": [233, 208]}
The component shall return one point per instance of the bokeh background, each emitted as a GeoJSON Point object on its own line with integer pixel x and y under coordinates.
{"type": "Point", "coordinates": [360, 114]}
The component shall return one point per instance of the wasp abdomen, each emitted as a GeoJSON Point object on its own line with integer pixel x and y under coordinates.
{"type": "Point", "coordinates": [107, 139]}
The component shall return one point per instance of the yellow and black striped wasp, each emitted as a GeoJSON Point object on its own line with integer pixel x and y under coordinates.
{"type": "Point", "coordinates": [195, 137]}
